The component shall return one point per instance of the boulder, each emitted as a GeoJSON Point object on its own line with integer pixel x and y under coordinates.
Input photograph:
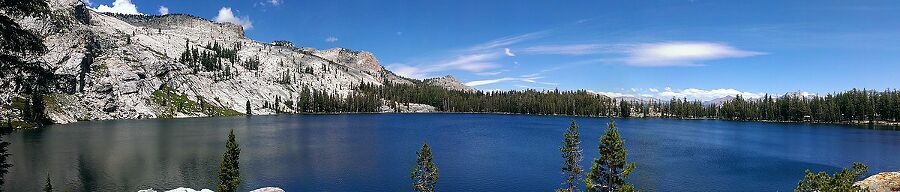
{"type": "Point", "coordinates": [882, 182]}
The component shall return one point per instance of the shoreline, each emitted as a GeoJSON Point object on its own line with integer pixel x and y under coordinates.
{"type": "Point", "coordinates": [875, 124]}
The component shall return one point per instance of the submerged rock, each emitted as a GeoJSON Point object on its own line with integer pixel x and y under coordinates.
{"type": "Point", "coordinates": [882, 182]}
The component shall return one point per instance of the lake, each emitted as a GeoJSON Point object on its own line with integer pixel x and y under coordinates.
{"type": "Point", "coordinates": [474, 152]}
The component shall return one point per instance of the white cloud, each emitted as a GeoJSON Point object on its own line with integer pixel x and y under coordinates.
{"type": "Point", "coordinates": [706, 95]}
{"type": "Point", "coordinates": [471, 63]}
{"type": "Point", "coordinates": [492, 81]}
{"type": "Point", "coordinates": [489, 73]}
{"type": "Point", "coordinates": [275, 2]}
{"type": "Point", "coordinates": [523, 78]}
{"type": "Point", "coordinates": [118, 6]}
{"type": "Point", "coordinates": [489, 81]}
{"type": "Point", "coordinates": [408, 71]}
{"type": "Point", "coordinates": [508, 52]}
{"type": "Point", "coordinates": [682, 53]}
{"type": "Point", "coordinates": [163, 10]}
{"type": "Point", "coordinates": [87, 2]}
{"type": "Point", "coordinates": [507, 41]}
{"type": "Point", "coordinates": [533, 87]}
{"type": "Point", "coordinates": [611, 94]}
{"type": "Point", "coordinates": [475, 59]}
{"type": "Point", "coordinates": [690, 94]}
{"type": "Point", "coordinates": [225, 15]}
{"type": "Point", "coordinates": [576, 49]}
{"type": "Point", "coordinates": [331, 39]}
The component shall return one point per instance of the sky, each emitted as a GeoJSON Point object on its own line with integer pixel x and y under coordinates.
{"type": "Point", "coordinates": [688, 48]}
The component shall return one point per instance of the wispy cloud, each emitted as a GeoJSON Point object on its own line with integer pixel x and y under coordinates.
{"type": "Point", "coordinates": [507, 41]}
{"type": "Point", "coordinates": [469, 63]}
{"type": "Point", "coordinates": [118, 6]}
{"type": "Point", "coordinates": [408, 71]}
{"type": "Point", "coordinates": [331, 39]}
{"type": "Point", "coordinates": [682, 53]}
{"type": "Point", "coordinates": [475, 59]}
{"type": "Point", "coordinates": [498, 80]}
{"type": "Point", "coordinates": [531, 78]}
{"type": "Point", "coordinates": [489, 73]}
{"type": "Point", "coordinates": [574, 49]}
{"type": "Point", "coordinates": [675, 53]}
{"type": "Point", "coordinates": [227, 16]}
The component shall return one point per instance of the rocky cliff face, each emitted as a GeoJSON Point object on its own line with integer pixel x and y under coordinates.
{"type": "Point", "coordinates": [448, 82]}
{"type": "Point", "coordinates": [130, 67]}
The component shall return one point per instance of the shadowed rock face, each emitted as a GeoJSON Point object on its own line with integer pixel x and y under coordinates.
{"type": "Point", "coordinates": [882, 182]}
{"type": "Point", "coordinates": [449, 82]}
{"type": "Point", "coordinates": [111, 65]}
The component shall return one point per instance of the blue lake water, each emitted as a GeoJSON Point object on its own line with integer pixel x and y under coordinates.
{"type": "Point", "coordinates": [474, 152]}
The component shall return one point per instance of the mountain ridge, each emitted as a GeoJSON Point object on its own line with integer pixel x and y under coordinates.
{"type": "Point", "coordinates": [116, 66]}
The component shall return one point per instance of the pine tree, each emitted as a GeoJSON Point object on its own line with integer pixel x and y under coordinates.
{"type": "Point", "coordinates": [425, 173]}
{"type": "Point", "coordinates": [229, 170]}
{"type": "Point", "coordinates": [47, 186]}
{"type": "Point", "coordinates": [19, 44]}
{"type": "Point", "coordinates": [249, 110]}
{"type": "Point", "coordinates": [571, 152]}
{"type": "Point", "coordinates": [839, 182]}
{"type": "Point", "coordinates": [608, 173]}
{"type": "Point", "coordinates": [4, 160]}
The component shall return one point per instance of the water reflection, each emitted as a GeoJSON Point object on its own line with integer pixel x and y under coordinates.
{"type": "Point", "coordinates": [474, 152]}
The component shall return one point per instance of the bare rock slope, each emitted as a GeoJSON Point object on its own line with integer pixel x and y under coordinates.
{"type": "Point", "coordinates": [113, 66]}
{"type": "Point", "coordinates": [449, 82]}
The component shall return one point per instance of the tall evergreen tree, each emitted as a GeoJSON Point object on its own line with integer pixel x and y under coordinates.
{"type": "Point", "coordinates": [425, 173]}
{"type": "Point", "coordinates": [4, 160]}
{"type": "Point", "coordinates": [608, 173]}
{"type": "Point", "coordinates": [18, 44]}
{"type": "Point", "coordinates": [47, 186]}
{"type": "Point", "coordinates": [571, 152]}
{"type": "Point", "coordinates": [229, 170]}
{"type": "Point", "coordinates": [249, 110]}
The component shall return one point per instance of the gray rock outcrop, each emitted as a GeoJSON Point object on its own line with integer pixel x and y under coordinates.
{"type": "Point", "coordinates": [881, 182]}
{"type": "Point", "coordinates": [449, 82]}
{"type": "Point", "coordinates": [129, 67]}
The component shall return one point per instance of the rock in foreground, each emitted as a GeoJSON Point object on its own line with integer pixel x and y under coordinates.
{"type": "Point", "coordinates": [882, 182]}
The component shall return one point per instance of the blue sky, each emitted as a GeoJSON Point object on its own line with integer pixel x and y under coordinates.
{"type": "Point", "coordinates": [695, 49]}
